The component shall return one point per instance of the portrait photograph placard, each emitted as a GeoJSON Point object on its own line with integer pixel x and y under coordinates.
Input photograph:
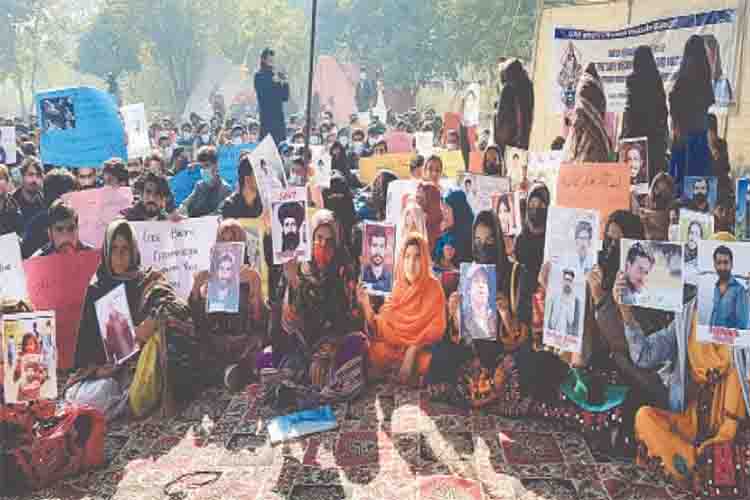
{"type": "Point", "coordinates": [378, 256]}
{"type": "Point", "coordinates": [653, 273]}
{"type": "Point", "coordinates": [478, 288]}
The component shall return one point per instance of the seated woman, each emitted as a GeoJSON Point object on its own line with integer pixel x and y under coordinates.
{"type": "Point", "coordinates": [232, 340]}
{"type": "Point", "coordinates": [316, 329]}
{"type": "Point", "coordinates": [412, 318]}
{"type": "Point", "coordinates": [457, 221]}
{"type": "Point", "coordinates": [678, 440]}
{"type": "Point", "coordinates": [475, 371]}
{"type": "Point", "coordinates": [166, 366]}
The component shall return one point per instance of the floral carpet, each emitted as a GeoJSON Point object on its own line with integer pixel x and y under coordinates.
{"type": "Point", "coordinates": [391, 444]}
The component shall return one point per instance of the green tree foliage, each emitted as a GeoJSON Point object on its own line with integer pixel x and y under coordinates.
{"type": "Point", "coordinates": [106, 49]}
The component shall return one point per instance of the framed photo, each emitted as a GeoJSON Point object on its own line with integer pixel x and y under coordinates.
{"type": "Point", "coordinates": [564, 310]}
{"type": "Point", "coordinates": [378, 256]}
{"type": "Point", "coordinates": [478, 287]}
{"type": "Point", "coordinates": [634, 153]}
{"type": "Point", "coordinates": [653, 274]}
{"type": "Point", "coordinates": [224, 278]}
{"type": "Point", "coordinates": [290, 230]}
{"type": "Point", "coordinates": [29, 356]}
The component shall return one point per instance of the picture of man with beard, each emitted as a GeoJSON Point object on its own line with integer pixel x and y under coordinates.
{"type": "Point", "coordinates": [224, 282]}
{"type": "Point", "coordinates": [700, 200]}
{"type": "Point", "coordinates": [291, 215]}
{"type": "Point", "coordinates": [376, 274]}
{"type": "Point", "coordinates": [730, 298]}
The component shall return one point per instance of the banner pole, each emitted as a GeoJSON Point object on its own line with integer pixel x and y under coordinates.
{"type": "Point", "coordinates": [308, 111]}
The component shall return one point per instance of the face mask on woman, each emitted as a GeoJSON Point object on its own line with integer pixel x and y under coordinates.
{"type": "Point", "coordinates": [538, 217]}
{"type": "Point", "coordinates": [485, 253]}
{"type": "Point", "coordinates": [205, 138]}
{"type": "Point", "coordinates": [237, 140]}
{"type": "Point", "coordinates": [322, 254]}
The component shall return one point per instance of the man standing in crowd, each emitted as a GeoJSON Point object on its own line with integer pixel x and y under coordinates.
{"type": "Point", "coordinates": [209, 192]}
{"type": "Point", "coordinates": [272, 89]}
{"type": "Point", "coordinates": [62, 232]}
{"type": "Point", "coordinates": [29, 196]}
{"type": "Point", "coordinates": [376, 274]}
{"type": "Point", "coordinates": [730, 303]}
{"type": "Point", "coordinates": [153, 199]}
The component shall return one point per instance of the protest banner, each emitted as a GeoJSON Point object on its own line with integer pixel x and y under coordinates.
{"type": "Point", "coordinates": [290, 227]}
{"type": "Point", "coordinates": [177, 249]}
{"type": "Point", "coordinates": [598, 186]}
{"type": "Point", "coordinates": [399, 142]}
{"type": "Point", "coordinates": [183, 183]}
{"type": "Point", "coordinates": [7, 145]}
{"type": "Point", "coordinates": [136, 128]}
{"type": "Point", "coordinates": [28, 343]}
{"type": "Point", "coordinates": [425, 143]}
{"type": "Point", "coordinates": [12, 277]}
{"type": "Point", "coordinates": [255, 230]}
{"type": "Point", "coordinates": [612, 52]}
{"type": "Point", "coordinates": [81, 127]}
{"type": "Point", "coordinates": [396, 163]}
{"type": "Point", "coordinates": [58, 283]}
{"type": "Point", "coordinates": [723, 316]}
{"type": "Point", "coordinates": [229, 161]}
{"type": "Point", "coordinates": [96, 208]}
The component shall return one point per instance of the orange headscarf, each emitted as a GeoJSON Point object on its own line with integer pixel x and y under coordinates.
{"type": "Point", "coordinates": [414, 314]}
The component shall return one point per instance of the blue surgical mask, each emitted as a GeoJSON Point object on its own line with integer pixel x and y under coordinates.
{"type": "Point", "coordinates": [344, 140]}
{"type": "Point", "coordinates": [207, 175]}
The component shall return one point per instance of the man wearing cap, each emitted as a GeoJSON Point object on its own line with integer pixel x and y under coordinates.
{"type": "Point", "coordinates": [291, 215]}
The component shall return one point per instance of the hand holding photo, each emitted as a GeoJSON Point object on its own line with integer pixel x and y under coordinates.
{"type": "Point", "coordinates": [116, 325]}
{"type": "Point", "coordinates": [564, 310]}
{"type": "Point", "coordinates": [694, 227]}
{"type": "Point", "coordinates": [482, 191]}
{"type": "Point", "coordinates": [652, 274]}
{"type": "Point", "coordinates": [289, 227]}
{"type": "Point", "coordinates": [572, 234]}
{"type": "Point", "coordinates": [700, 193]}
{"type": "Point", "coordinates": [478, 288]}
{"type": "Point", "coordinates": [723, 313]}
{"type": "Point", "coordinates": [378, 250]}
{"type": "Point", "coordinates": [224, 278]}
{"type": "Point", "coordinates": [29, 351]}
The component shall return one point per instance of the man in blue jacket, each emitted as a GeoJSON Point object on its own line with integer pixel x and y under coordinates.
{"type": "Point", "coordinates": [272, 89]}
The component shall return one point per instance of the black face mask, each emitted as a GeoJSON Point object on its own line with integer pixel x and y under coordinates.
{"type": "Point", "coordinates": [491, 168]}
{"type": "Point", "coordinates": [485, 253]}
{"type": "Point", "coordinates": [699, 198]}
{"type": "Point", "coordinates": [537, 216]}
{"type": "Point", "coordinates": [609, 260]}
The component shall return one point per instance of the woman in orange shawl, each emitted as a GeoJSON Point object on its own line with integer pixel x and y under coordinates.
{"type": "Point", "coordinates": [412, 318]}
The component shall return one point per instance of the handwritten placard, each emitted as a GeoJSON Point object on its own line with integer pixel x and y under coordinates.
{"type": "Point", "coordinates": [598, 186]}
{"type": "Point", "coordinates": [229, 161]}
{"type": "Point", "coordinates": [12, 278]}
{"type": "Point", "coordinates": [58, 283]}
{"type": "Point", "coordinates": [96, 208]}
{"type": "Point", "coordinates": [178, 249]}
{"type": "Point", "coordinates": [81, 127]}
